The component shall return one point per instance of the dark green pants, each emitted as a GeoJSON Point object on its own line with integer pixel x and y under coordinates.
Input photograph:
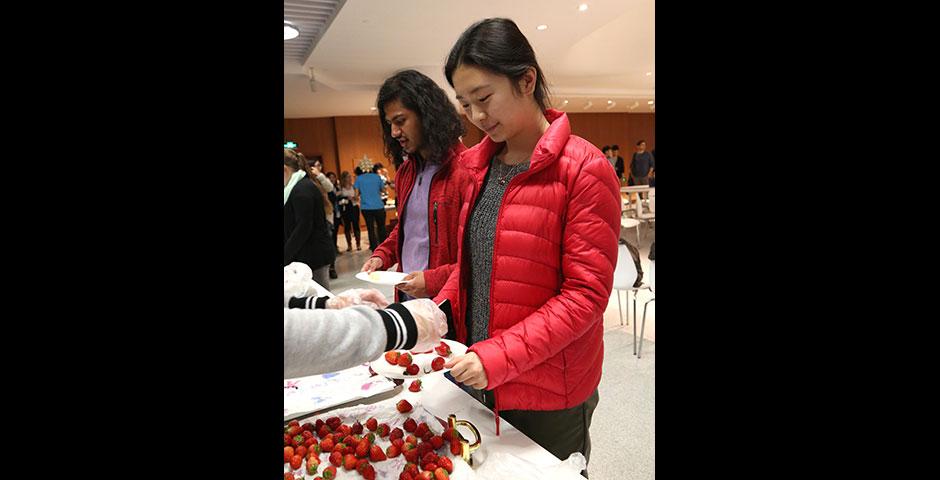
{"type": "Point", "coordinates": [561, 432]}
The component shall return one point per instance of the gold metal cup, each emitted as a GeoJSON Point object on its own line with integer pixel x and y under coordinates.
{"type": "Point", "coordinates": [467, 448]}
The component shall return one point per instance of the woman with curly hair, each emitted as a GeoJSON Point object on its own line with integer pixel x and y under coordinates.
{"type": "Point", "coordinates": [421, 127]}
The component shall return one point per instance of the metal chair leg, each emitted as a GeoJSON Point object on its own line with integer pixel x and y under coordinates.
{"type": "Point", "coordinates": [619, 307]}
{"type": "Point", "coordinates": [638, 235]}
{"type": "Point", "coordinates": [634, 321]}
{"type": "Point", "coordinates": [644, 326]}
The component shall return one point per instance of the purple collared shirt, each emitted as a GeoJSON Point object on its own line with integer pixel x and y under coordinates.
{"type": "Point", "coordinates": [417, 240]}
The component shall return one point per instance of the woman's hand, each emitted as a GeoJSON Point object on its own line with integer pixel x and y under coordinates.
{"type": "Point", "coordinates": [468, 370]}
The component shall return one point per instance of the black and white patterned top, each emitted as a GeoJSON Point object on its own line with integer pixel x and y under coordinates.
{"type": "Point", "coordinates": [482, 233]}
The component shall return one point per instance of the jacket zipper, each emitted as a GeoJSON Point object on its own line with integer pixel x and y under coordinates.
{"type": "Point", "coordinates": [436, 236]}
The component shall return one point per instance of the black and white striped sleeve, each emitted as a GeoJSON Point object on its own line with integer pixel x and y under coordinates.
{"type": "Point", "coordinates": [400, 327]}
{"type": "Point", "coordinates": [307, 302]}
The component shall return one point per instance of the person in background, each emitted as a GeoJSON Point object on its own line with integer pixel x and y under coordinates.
{"type": "Point", "coordinates": [326, 188]}
{"type": "Point", "coordinates": [306, 230]}
{"type": "Point", "coordinates": [337, 216]}
{"type": "Point", "coordinates": [537, 246]}
{"type": "Point", "coordinates": [653, 172]}
{"type": "Point", "coordinates": [382, 172]}
{"type": "Point", "coordinates": [349, 210]}
{"type": "Point", "coordinates": [421, 125]}
{"type": "Point", "coordinates": [618, 161]}
{"type": "Point", "coordinates": [323, 334]}
{"type": "Point", "coordinates": [370, 187]}
{"type": "Point", "coordinates": [606, 151]}
{"type": "Point", "coordinates": [642, 165]}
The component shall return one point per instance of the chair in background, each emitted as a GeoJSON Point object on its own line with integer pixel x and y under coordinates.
{"type": "Point", "coordinates": [625, 275]}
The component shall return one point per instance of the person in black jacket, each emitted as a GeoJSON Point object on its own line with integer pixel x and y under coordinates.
{"type": "Point", "coordinates": [307, 236]}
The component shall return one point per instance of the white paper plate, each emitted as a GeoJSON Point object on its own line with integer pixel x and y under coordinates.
{"type": "Point", "coordinates": [423, 360]}
{"type": "Point", "coordinates": [382, 277]}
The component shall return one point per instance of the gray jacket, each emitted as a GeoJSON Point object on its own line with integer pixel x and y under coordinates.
{"type": "Point", "coordinates": [320, 341]}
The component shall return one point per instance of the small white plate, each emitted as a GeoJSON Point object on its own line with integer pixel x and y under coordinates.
{"type": "Point", "coordinates": [382, 277]}
{"type": "Point", "coordinates": [422, 360]}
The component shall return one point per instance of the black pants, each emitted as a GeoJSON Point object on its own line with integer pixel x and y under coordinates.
{"type": "Point", "coordinates": [561, 432]}
{"type": "Point", "coordinates": [375, 223]}
{"type": "Point", "coordinates": [351, 224]}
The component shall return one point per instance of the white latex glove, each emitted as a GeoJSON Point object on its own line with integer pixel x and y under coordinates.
{"type": "Point", "coordinates": [369, 297]}
{"type": "Point", "coordinates": [431, 321]}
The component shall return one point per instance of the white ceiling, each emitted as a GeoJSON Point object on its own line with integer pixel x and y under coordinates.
{"type": "Point", "coordinates": [601, 54]}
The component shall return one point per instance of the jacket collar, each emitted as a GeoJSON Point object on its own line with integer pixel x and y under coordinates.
{"type": "Point", "coordinates": [546, 151]}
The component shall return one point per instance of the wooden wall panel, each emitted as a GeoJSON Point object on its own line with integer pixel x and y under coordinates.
{"type": "Point", "coordinates": [313, 136]}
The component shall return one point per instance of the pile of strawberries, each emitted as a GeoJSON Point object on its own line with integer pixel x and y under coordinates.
{"type": "Point", "coordinates": [405, 359]}
{"type": "Point", "coordinates": [350, 450]}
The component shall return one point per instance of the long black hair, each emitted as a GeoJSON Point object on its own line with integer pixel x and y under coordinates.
{"type": "Point", "coordinates": [497, 45]}
{"type": "Point", "coordinates": [440, 123]}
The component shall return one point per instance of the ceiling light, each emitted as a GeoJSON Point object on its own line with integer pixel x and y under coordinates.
{"type": "Point", "coordinates": [650, 102]}
{"type": "Point", "coordinates": [566, 102]}
{"type": "Point", "coordinates": [373, 109]}
{"type": "Point", "coordinates": [611, 104]}
{"type": "Point", "coordinates": [542, 27]}
{"type": "Point", "coordinates": [582, 7]}
{"type": "Point", "coordinates": [290, 31]}
{"type": "Point", "coordinates": [649, 74]}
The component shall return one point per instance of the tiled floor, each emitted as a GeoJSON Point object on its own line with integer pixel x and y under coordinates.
{"type": "Point", "coordinates": [622, 430]}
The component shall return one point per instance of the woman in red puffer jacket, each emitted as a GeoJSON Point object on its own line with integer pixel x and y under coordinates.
{"type": "Point", "coordinates": [537, 246]}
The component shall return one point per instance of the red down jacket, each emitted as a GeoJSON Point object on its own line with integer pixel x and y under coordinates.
{"type": "Point", "coordinates": [554, 255]}
{"type": "Point", "coordinates": [444, 201]}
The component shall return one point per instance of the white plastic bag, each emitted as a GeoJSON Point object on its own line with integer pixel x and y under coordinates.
{"type": "Point", "coordinates": [498, 463]}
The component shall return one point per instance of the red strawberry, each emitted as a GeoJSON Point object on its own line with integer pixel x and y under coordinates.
{"type": "Point", "coordinates": [296, 461]}
{"type": "Point", "coordinates": [293, 423]}
{"type": "Point", "coordinates": [345, 430]}
{"type": "Point", "coordinates": [336, 458]}
{"type": "Point", "coordinates": [297, 440]}
{"type": "Point", "coordinates": [288, 454]}
{"type": "Point", "coordinates": [410, 425]}
{"type": "Point", "coordinates": [428, 436]}
{"type": "Point", "coordinates": [368, 472]}
{"type": "Point", "coordinates": [404, 360]}
{"type": "Point", "coordinates": [362, 450]}
{"type": "Point", "coordinates": [312, 467]}
{"type": "Point", "coordinates": [415, 386]}
{"type": "Point", "coordinates": [376, 454]}
{"type": "Point", "coordinates": [327, 444]}
{"type": "Point", "coordinates": [313, 458]}
{"type": "Point", "coordinates": [425, 475]}
{"type": "Point", "coordinates": [301, 450]}
{"type": "Point", "coordinates": [307, 434]}
{"type": "Point", "coordinates": [396, 433]}
{"type": "Point", "coordinates": [371, 437]}
{"type": "Point", "coordinates": [357, 428]}
{"type": "Point", "coordinates": [411, 468]}
{"type": "Point", "coordinates": [349, 462]}
{"type": "Point", "coordinates": [392, 357]}
{"type": "Point", "coordinates": [294, 430]}
{"type": "Point", "coordinates": [383, 428]}
{"type": "Point", "coordinates": [329, 473]}
{"type": "Point", "coordinates": [316, 426]}
{"type": "Point", "coordinates": [412, 440]}
{"type": "Point", "coordinates": [448, 434]}
{"type": "Point", "coordinates": [410, 454]}
{"type": "Point", "coordinates": [324, 431]}
{"type": "Point", "coordinates": [314, 449]}
{"type": "Point", "coordinates": [341, 448]}
{"type": "Point", "coordinates": [286, 439]}
{"type": "Point", "coordinates": [429, 457]}
{"type": "Point", "coordinates": [437, 364]}
{"type": "Point", "coordinates": [443, 349]}
{"type": "Point", "coordinates": [398, 442]}
{"type": "Point", "coordinates": [308, 427]}
{"type": "Point", "coordinates": [352, 440]}
{"type": "Point", "coordinates": [288, 476]}
{"type": "Point", "coordinates": [334, 423]}
{"type": "Point", "coordinates": [412, 369]}
{"type": "Point", "coordinates": [392, 451]}
{"type": "Point", "coordinates": [446, 464]}
{"type": "Point", "coordinates": [360, 464]}
{"type": "Point", "coordinates": [372, 424]}
{"type": "Point", "coordinates": [403, 476]}
{"type": "Point", "coordinates": [403, 406]}
{"type": "Point", "coordinates": [430, 467]}
{"type": "Point", "coordinates": [455, 447]}
{"type": "Point", "coordinates": [437, 441]}
{"type": "Point", "coordinates": [441, 474]}
{"type": "Point", "coordinates": [422, 429]}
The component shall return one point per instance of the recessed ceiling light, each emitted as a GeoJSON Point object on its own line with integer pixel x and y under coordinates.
{"type": "Point", "coordinates": [542, 27]}
{"type": "Point", "coordinates": [373, 109]}
{"type": "Point", "coordinates": [649, 74]}
{"type": "Point", "coordinates": [565, 102]}
{"type": "Point", "coordinates": [290, 31]}
{"type": "Point", "coordinates": [650, 102]}
{"type": "Point", "coordinates": [609, 102]}
{"type": "Point", "coordinates": [582, 7]}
